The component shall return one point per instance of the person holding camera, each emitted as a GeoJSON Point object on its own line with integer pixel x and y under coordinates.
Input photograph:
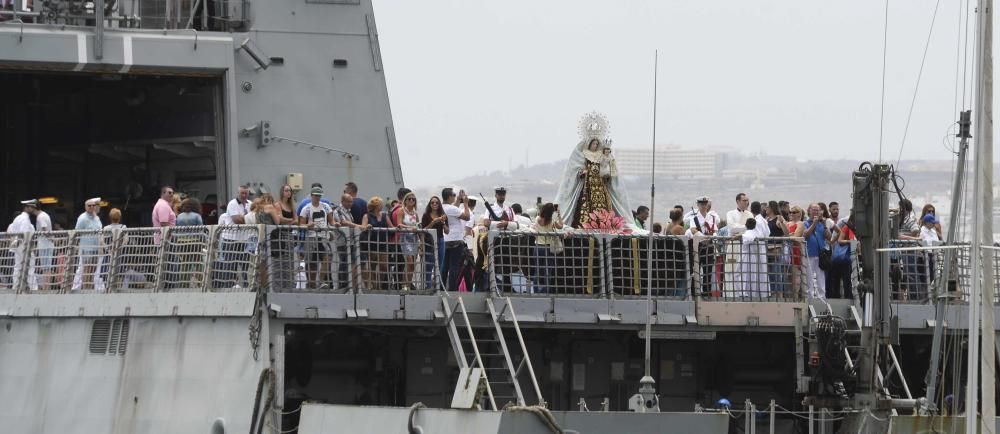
{"type": "Point", "coordinates": [455, 250]}
{"type": "Point", "coordinates": [816, 233]}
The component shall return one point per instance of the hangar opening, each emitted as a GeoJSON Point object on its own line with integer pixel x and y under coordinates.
{"type": "Point", "coordinates": [68, 137]}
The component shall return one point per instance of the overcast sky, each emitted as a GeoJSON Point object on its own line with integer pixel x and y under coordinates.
{"type": "Point", "coordinates": [484, 84]}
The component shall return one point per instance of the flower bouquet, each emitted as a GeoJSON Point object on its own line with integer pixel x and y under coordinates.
{"type": "Point", "coordinates": [605, 221]}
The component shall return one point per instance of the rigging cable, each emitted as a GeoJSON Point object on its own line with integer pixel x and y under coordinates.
{"type": "Point", "coordinates": [885, 41]}
{"type": "Point", "coordinates": [916, 87]}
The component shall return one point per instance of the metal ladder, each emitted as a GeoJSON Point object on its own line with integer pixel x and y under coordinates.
{"type": "Point", "coordinates": [894, 368]}
{"type": "Point", "coordinates": [490, 354]}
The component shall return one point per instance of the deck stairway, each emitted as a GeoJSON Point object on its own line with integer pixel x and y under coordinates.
{"type": "Point", "coordinates": [489, 370]}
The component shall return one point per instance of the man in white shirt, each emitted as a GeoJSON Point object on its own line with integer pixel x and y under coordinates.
{"type": "Point", "coordinates": [455, 249]}
{"type": "Point", "coordinates": [705, 222]}
{"type": "Point", "coordinates": [22, 224]}
{"type": "Point", "coordinates": [501, 218]}
{"type": "Point", "coordinates": [523, 221]}
{"type": "Point", "coordinates": [235, 258]}
{"type": "Point", "coordinates": [343, 218]}
{"type": "Point", "coordinates": [736, 222]}
{"type": "Point", "coordinates": [504, 215]}
{"type": "Point", "coordinates": [318, 217]}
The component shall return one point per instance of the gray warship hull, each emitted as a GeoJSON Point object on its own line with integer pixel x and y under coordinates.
{"type": "Point", "coordinates": [209, 96]}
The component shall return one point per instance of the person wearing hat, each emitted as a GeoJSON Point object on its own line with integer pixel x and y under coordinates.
{"type": "Point", "coordinates": [928, 231]}
{"type": "Point", "coordinates": [504, 215]}
{"type": "Point", "coordinates": [89, 221]}
{"type": "Point", "coordinates": [705, 222]}
{"type": "Point", "coordinates": [318, 216]}
{"type": "Point", "coordinates": [22, 224]}
{"type": "Point", "coordinates": [44, 245]}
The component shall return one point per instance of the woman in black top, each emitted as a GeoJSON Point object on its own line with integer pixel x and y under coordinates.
{"type": "Point", "coordinates": [777, 262]}
{"type": "Point", "coordinates": [281, 241]}
{"type": "Point", "coordinates": [434, 218]}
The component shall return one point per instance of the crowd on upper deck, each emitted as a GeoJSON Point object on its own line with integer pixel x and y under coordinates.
{"type": "Point", "coordinates": [747, 255]}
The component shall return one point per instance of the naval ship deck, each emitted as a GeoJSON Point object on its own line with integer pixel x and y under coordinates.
{"type": "Point", "coordinates": [598, 280]}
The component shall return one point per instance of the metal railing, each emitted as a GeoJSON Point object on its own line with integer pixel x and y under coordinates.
{"type": "Point", "coordinates": [13, 255]}
{"type": "Point", "coordinates": [765, 269]}
{"type": "Point", "coordinates": [559, 263]}
{"type": "Point", "coordinates": [217, 15]}
{"type": "Point", "coordinates": [632, 271]}
{"type": "Point", "coordinates": [613, 265]}
{"type": "Point", "coordinates": [395, 259]}
{"type": "Point", "coordinates": [910, 271]}
{"type": "Point", "coordinates": [220, 259]}
{"type": "Point", "coordinates": [570, 264]}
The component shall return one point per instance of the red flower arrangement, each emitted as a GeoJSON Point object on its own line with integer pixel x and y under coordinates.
{"type": "Point", "coordinates": [604, 221]}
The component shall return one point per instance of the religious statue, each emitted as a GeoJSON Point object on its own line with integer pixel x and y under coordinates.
{"type": "Point", "coordinates": [590, 182]}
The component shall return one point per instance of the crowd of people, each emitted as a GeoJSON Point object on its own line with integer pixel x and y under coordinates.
{"type": "Point", "coordinates": [742, 256]}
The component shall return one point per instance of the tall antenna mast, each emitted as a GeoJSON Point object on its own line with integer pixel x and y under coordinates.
{"type": "Point", "coordinates": [646, 400]}
{"type": "Point", "coordinates": [981, 295]}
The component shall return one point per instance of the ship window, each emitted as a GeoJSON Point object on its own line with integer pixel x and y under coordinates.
{"type": "Point", "coordinates": [109, 336]}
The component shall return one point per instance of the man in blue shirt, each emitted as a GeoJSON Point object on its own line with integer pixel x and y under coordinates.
{"type": "Point", "coordinates": [360, 206]}
{"type": "Point", "coordinates": [816, 235]}
{"type": "Point", "coordinates": [305, 201]}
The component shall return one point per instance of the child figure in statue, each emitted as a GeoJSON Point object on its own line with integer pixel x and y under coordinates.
{"type": "Point", "coordinates": [609, 169]}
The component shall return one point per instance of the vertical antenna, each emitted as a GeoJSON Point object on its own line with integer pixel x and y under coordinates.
{"type": "Point", "coordinates": [649, 244]}
{"type": "Point", "coordinates": [646, 400]}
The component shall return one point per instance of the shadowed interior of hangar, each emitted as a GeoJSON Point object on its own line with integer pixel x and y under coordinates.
{"type": "Point", "coordinates": [69, 137]}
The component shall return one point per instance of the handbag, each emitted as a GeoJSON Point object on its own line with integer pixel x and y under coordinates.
{"type": "Point", "coordinates": [841, 254]}
{"type": "Point", "coordinates": [556, 245]}
{"type": "Point", "coordinates": [825, 259]}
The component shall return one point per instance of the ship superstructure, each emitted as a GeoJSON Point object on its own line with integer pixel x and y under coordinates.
{"type": "Point", "coordinates": [176, 333]}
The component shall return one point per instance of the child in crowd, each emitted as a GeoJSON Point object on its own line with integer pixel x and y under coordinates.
{"type": "Point", "coordinates": [928, 235]}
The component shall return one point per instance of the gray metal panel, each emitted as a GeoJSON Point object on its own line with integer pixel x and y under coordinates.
{"type": "Point", "coordinates": [673, 312]}
{"type": "Point", "coordinates": [528, 309]}
{"type": "Point", "coordinates": [174, 377]}
{"type": "Point", "coordinates": [380, 306]}
{"type": "Point", "coordinates": [299, 16]}
{"type": "Point", "coordinates": [421, 307]}
{"type": "Point", "coordinates": [748, 314]}
{"type": "Point", "coordinates": [220, 304]}
{"type": "Point", "coordinates": [619, 422]}
{"type": "Point", "coordinates": [309, 100]}
{"type": "Point", "coordinates": [318, 306]}
{"type": "Point", "coordinates": [333, 419]}
{"type": "Point", "coordinates": [917, 316]}
{"type": "Point", "coordinates": [579, 310]}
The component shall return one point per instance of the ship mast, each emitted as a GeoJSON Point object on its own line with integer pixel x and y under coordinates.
{"type": "Point", "coordinates": [981, 293]}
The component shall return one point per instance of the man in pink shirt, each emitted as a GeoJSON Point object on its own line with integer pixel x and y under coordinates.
{"type": "Point", "coordinates": [163, 215]}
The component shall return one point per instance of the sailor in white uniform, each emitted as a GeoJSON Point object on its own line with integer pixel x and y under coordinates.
{"type": "Point", "coordinates": [22, 224]}
{"type": "Point", "coordinates": [505, 216]}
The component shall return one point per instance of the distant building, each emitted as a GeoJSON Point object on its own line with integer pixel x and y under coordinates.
{"type": "Point", "coordinates": [671, 162]}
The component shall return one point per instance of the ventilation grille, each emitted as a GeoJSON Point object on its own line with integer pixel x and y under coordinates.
{"type": "Point", "coordinates": [109, 336]}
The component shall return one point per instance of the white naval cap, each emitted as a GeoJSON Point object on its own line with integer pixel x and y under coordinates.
{"type": "Point", "coordinates": [93, 201]}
